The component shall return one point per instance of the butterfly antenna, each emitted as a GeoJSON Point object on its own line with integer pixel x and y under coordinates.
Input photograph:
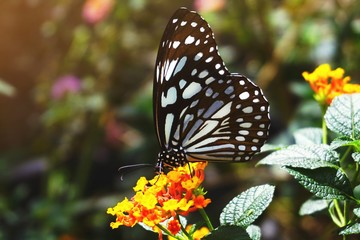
{"type": "Point", "coordinates": [130, 168]}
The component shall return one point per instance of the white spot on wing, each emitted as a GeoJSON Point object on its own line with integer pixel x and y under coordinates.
{"type": "Point", "coordinates": [182, 83]}
{"type": "Point", "coordinates": [170, 69]}
{"type": "Point", "coordinates": [198, 56]}
{"type": "Point", "coordinates": [209, 80]}
{"type": "Point", "coordinates": [168, 124]}
{"type": "Point", "coordinates": [203, 74]}
{"type": "Point", "coordinates": [246, 125]}
{"type": "Point", "coordinates": [248, 109]}
{"type": "Point", "coordinates": [191, 90]}
{"type": "Point", "coordinates": [170, 97]}
{"type": "Point", "coordinates": [180, 65]}
{"type": "Point", "coordinates": [190, 39]}
{"type": "Point", "coordinates": [176, 44]}
{"type": "Point", "coordinates": [244, 95]}
{"type": "Point", "coordinates": [240, 138]}
{"type": "Point", "coordinates": [223, 112]}
{"type": "Point", "coordinates": [193, 72]}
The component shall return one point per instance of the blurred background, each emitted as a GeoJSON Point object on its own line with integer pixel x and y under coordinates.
{"type": "Point", "coordinates": [76, 104]}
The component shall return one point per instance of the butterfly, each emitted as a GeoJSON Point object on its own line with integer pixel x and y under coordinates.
{"type": "Point", "coordinates": [202, 112]}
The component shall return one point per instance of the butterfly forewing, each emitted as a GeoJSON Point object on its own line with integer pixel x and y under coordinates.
{"type": "Point", "coordinates": [187, 61]}
{"type": "Point", "coordinates": [200, 109]}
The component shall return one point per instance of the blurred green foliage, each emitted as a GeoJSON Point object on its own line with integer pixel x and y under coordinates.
{"type": "Point", "coordinates": [60, 148]}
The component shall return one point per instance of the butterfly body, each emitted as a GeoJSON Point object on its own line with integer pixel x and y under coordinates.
{"type": "Point", "coordinates": [202, 111]}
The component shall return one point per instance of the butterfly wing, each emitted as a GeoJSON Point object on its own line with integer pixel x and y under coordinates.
{"type": "Point", "coordinates": [232, 121]}
{"type": "Point", "coordinates": [187, 60]}
{"type": "Point", "coordinates": [198, 105]}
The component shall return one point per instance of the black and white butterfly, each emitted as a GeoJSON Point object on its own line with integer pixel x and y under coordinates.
{"type": "Point", "coordinates": [202, 111]}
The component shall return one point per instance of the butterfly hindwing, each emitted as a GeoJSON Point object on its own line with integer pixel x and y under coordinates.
{"type": "Point", "coordinates": [231, 121]}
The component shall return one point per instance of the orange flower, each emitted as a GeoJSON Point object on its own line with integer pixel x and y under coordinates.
{"type": "Point", "coordinates": [164, 197]}
{"type": "Point", "coordinates": [328, 83]}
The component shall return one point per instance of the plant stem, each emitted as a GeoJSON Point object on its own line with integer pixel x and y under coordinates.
{"type": "Point", "coordinates": [348, 150]}
{"type": "Point", "coordinates": [340, 215]}
{"type": "Point", "coordinates": [206, 218]}
{"type": "Point", "coordinates": [333, 216]}
{"type": "Point", "coordinates": [324, 129]}
{"type": "Point", "coordinates": [184, 230]}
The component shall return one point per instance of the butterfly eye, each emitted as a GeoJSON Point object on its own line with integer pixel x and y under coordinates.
{"type": "Point", "coordinates": [202, 111]}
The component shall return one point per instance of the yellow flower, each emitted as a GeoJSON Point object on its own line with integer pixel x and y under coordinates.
{"type": "Point", "coordinates": [146, 199]}
{"type": "Point", "coordinates": [170, 205]}
{"type": "Point", "coordinates": [164, 197]}
{"type": "Point", "coordinates": [140, 185]}
{"type": "Point", "coordinates": [200, 233]}
{"type": "Point", "coordinates": [191, 183]}
{"type": "Point", "coordinates": [328, 84]}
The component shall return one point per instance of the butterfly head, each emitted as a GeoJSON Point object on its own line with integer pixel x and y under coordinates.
{"type": "Point", "coordinates": [170, 158]}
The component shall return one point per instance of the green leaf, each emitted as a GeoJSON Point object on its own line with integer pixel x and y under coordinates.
{"type": "Point", "coordinates": [228, 233]}
{"type": "Point", "coordinates": [308, 136]}
{"type": "Point", "coordinates": [357, 212]}
{"type": "Point", "coordinates": [312, 206]}
{"type": "Point", "coordinates": [254, 232]}
{"type": "Point", "coordinates": [356, 156]}
{"type": "Point", "coordinates": [304, 156]}
{"type": "Point", "coordinates": [326, 182]}
{"type": "Point", "coordinates": [246, 207]}
{"type": "Point", "coordinates": [344, 142]}
{"type": "Point", "coordinates": [343, 115]}
{"type": "Point", "coordinates": [351, 229]}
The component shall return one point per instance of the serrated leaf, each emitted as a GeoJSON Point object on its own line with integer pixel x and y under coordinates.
{"type": "Point", "coordinates": [326, 182]}
{"type": "Point", "coordinates": [312, 206]}
{"type": "Point", "coordinates": [254, 232]}
{"type": "Point", "coordinates": [352, 229]}
{"type": "Point", "coordinates": [343, 115]}
{"type": "Point", "coordinates": [344, 142]}
{"type": "Point", "coordinates": [246, 207]}
{"type": "Point", "coordinates": [356, 156]}
{"type": "Point", "coordinates": [228, 232]}
{"type": "Point", "coordinates": [357, 212]}
{"type": "Point", "coordinates": [308, 136]}
{"type": "Point", "coordinates": [304, 156]}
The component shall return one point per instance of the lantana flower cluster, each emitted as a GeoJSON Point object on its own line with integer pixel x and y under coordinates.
{"type": "Point", "coordinates": [328, 83]}
{"type": "Point", "coordinates": [159, 202]}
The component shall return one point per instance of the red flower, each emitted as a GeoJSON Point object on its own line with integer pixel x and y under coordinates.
{"type": "Point", "coordinates": [174, 226]}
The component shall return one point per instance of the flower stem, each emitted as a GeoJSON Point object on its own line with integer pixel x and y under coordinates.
{"type": "Point", "coordinates": [184, 230]}
{"type": "Point", "coordinates": [206, 218]}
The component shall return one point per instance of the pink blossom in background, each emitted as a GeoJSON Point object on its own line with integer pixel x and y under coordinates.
{"type": "Point", "coordinates": [95, 11]}
{"type": "Point", "coordinates": [65, 84]}
{"type": "Point", "coordinates": [209, 5]}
